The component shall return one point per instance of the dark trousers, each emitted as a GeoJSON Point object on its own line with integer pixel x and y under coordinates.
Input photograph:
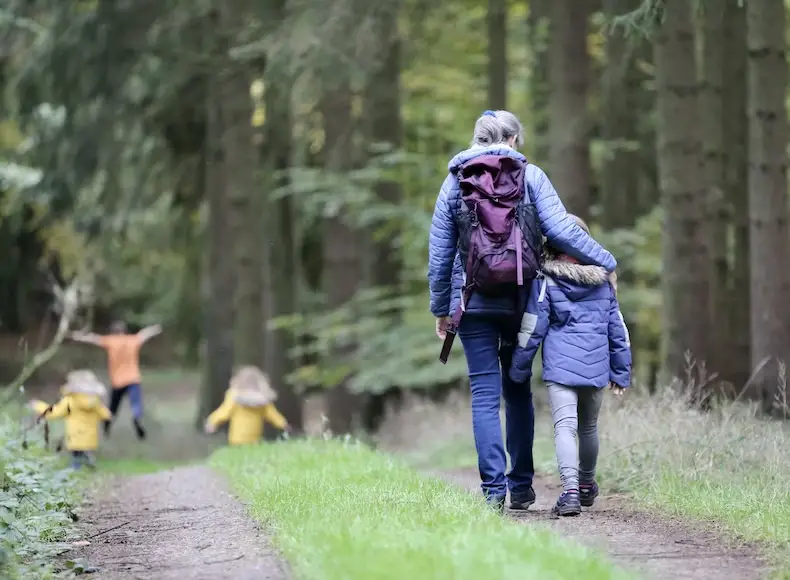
{"type": "Point", "coordinates": [488, 343]}
{"type": "Point", "coordinates": [82, 458]}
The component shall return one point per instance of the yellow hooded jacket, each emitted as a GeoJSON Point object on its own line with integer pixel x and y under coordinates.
{"type": "Point", "coordinates": [246, 413]}
{"type": "Point", "coordinates": [82, 409]}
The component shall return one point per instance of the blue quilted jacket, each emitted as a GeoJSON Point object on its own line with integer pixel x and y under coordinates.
{"type": "Point", "coordinates": [572, 310]}
{"type": "Point", "coordinates": [445, 265]}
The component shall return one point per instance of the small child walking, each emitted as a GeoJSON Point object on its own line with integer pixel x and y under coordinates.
{"type": "Point", "coordinates": [82, 409]}
{"type": "Point", "coordinates": [573, 311]}
{"type": "Point", "coordinates": [249, 402]}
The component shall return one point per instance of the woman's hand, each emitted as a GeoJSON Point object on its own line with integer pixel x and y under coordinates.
{"type": "Point", "coordinates": [209, 428]}
{"type": "Point", "coordinates": [617, 389]}
{"type": "Point", "coordinates": [442, 324]}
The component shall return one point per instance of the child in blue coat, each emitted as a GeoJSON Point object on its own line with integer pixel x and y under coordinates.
{"type": "Point", "coordinates": [573, 311]}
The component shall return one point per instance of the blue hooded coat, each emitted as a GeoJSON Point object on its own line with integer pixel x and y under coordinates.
{"type": "Point", "coordinates": [573, 310]}
{"type": "Point", "coordinates": [445, 264]}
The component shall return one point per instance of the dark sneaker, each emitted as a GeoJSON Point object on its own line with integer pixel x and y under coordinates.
{"type": "Point", "coordinates": [496, 502]}
{"type": "Point", "coordinates": [138, 428]}
{"type": "Point", "coordinates": [568, 504]}
{"type": "Point", "coordinates": [587, 493]}
{"type": "Point", "coordinates": [522, 501]}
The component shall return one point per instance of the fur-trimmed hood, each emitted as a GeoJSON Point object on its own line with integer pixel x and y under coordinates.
{"type": "Point", "coordinates": [572, 272]}
{"type": "Point", "coordinates": [83, 382]}
{"type": "Point", "coordinates": [577, 280]}
{"type": "Point", "coordinates": [250, 387]}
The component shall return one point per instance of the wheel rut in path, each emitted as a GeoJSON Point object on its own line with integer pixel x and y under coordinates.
{"type": "Point", "coordinates": [656, 547]}
{"type": "Point", "coordinates": [180, 524]}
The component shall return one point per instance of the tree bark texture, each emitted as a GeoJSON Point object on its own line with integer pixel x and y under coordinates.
{"type": "Point", "coordinates": [736, 177]}
{"type": "Point", "coordinates": [496, 20]}
{"type": "Point", "coordinates": [569, 70]}
{"type": "Point", "coordinates": [768, 219]}
{"type": "Point", "coordinates": [686, 289]}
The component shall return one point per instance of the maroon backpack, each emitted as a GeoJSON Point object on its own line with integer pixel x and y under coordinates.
{"type": "Point", "coordinates": [498, 230]}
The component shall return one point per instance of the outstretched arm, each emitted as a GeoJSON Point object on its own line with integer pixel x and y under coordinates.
{"type": "Point", "coordinates": [220, 416]}
{"type": "Point", "coordinates": [273, 416]}
{"type": "Point", "coordinates": [558, 227]}
{"type": "Point", "coordinates": [534, 326]}
{"type": "Point", "coordinates": [149, 332]}
{"type": "Point", "coordinates": [86, 338]}
{"type": "Point", "coordinates": [58, 411]}
{"type": "Point", "coordinates": [619, 347]}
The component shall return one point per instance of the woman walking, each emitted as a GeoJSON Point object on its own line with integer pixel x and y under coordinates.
{"type": "Point", "coordinates": [490, 321]}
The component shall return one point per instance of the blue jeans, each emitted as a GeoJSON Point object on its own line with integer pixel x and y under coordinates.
{"type": "Point", "coordinates": [488, 343]}
{"type": "Point", "coordinates": [135, 393]}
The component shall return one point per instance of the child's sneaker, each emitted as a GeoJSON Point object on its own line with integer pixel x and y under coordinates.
{"type": "Point", "coordinates": [138, 428]}
{"type": "Point", "coordinates": [568, 504]}
{"type": "Point", "coordinates": [587, 493]}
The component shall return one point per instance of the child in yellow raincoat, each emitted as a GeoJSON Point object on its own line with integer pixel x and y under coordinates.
{"type": "Point", "coordinates": [248, 402]}
{"type": "Point", "coordinates": [83, 410]}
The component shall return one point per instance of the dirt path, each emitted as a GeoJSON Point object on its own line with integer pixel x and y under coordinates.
{"type": "Point", "coordinates": [657, 547]}
{"type": "Point", "coordinates": [179, 524]}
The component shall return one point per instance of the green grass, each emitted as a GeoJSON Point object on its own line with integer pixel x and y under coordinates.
{"type": "Point", "coordinates": [340, 510]}
{"type": "Point", "coordinates": [726, 467]}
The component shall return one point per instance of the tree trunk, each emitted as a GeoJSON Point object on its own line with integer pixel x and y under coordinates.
{"type": "Point", "coordinates": [538, 23]}
{"type": "Point", "coordinates": [342, 254]}
{"type": "Point", "coordinates": [620, 103]}
{"type": "Point", "coordinates": [249, 254]}
{"type": "Point", "coordinates": [218, 310]}
{"type": "Point", "coordinates": [569, 64]}
{"type": "Point", "coordinates": [768, 228]}
{"type": "Point", "coordinates": [383, 113]}
{"type": "Point", "coordinates": [711, 107]}
{"type": "Point", "coordinates": [736, 164]}
{"type": "Point", "coordinates": [283, 266]}
{"type": "Point", "coordinates": [497, 54]}
{"type": "Point", "coordinates": [684, 256]}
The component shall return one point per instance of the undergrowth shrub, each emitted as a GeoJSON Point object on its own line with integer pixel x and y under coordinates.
{"type": "Point", "coordinates": [37, 502]}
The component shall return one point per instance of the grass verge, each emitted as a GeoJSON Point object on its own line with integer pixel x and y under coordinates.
{"type": "Point", "coordinates": [341, 510]}
{"type": "Point", "coordinates": [725, 466]}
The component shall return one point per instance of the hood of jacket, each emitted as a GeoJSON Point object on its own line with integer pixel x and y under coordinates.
{"type": "Point", "coordinates": [575, 280]}
{"type": "Point", "coordinates": [252, 398]}
{"type": "Point", "coordinates": [478, 150]}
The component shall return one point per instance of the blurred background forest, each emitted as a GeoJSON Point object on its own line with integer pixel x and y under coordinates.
{"type": "Point", "coordinates": [259, 178]}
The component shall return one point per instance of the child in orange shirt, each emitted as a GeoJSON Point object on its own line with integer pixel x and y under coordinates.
{"type": "Point", "coordinates": [249, 402]}
{"type": "Point", "coordinates": [123, 362]}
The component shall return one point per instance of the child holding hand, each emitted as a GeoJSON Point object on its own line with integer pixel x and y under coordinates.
{"type": "Point", "coordinates": [249, 402]}
{"type": "Point", "coordinates": [82, 409]}
{"type": "Point", "coordinates": [573, 311]}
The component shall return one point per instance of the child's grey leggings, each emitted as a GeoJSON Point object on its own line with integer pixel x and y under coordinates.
{"type": "Point", "coordinates": [575, 410]}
